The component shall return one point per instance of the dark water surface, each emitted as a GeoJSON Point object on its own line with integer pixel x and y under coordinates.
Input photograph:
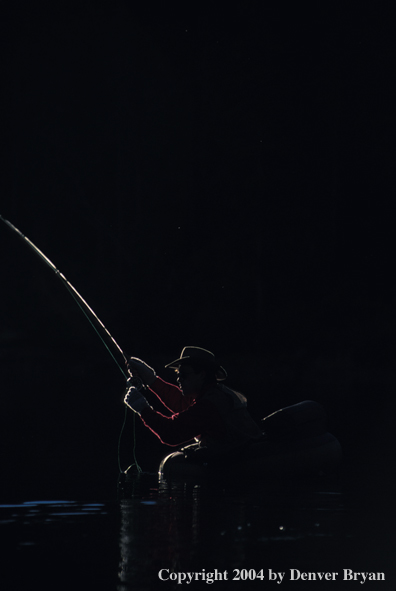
{"type": "Point", "coordinates": [150, 530]}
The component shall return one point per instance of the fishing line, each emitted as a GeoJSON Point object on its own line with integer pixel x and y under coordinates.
{"type": "Point", "coordinates": [138, 384]}
{"type": "Point", "coordinates": [85, 308]}
{"type": "Point", "coordinates": [135, 463]}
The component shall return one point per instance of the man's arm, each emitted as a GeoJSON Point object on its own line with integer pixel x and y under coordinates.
{"type": "Point", "coordinates": [184, 426]}
{"type": "Point", "coordinates": [171, 396]}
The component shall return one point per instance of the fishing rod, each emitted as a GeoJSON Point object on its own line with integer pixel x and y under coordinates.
{"type": "Point", "coordinates": [89, 314]}
{"type": "Point", "coordinates": [83, 305]}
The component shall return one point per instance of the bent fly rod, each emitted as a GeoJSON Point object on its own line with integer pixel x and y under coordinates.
{"type": "Point", "coordinates": [86, 309]}
{"type": "Point", "coordinates": [89, 314]}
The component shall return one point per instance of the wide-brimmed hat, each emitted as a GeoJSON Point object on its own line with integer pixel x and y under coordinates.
{"type": "Point", "coordinates": [202, 355]}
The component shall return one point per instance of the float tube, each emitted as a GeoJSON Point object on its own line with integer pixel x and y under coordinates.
{"type": "Point", "coordinates": [295, 442]}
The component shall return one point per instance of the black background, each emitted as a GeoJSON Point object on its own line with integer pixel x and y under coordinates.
{"type": "Point", "coordinates": [220, 177]}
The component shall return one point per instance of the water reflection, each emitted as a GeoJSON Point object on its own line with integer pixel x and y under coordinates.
{"type": "Point", "coordinates": [150, 527]}
{"type": "Point", "coordinates": [185, 528]}
{"type": "Point", "coordinates": [53, 543]}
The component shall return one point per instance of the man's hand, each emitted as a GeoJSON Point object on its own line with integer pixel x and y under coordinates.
{"type": "Point", "coordinates": [135, 400]}
{"type": "Point", "coordinates": [143, 370]}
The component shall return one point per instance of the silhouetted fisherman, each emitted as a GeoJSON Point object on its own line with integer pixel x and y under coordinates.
{"type": "Point", "coordinates": [203, 409]}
